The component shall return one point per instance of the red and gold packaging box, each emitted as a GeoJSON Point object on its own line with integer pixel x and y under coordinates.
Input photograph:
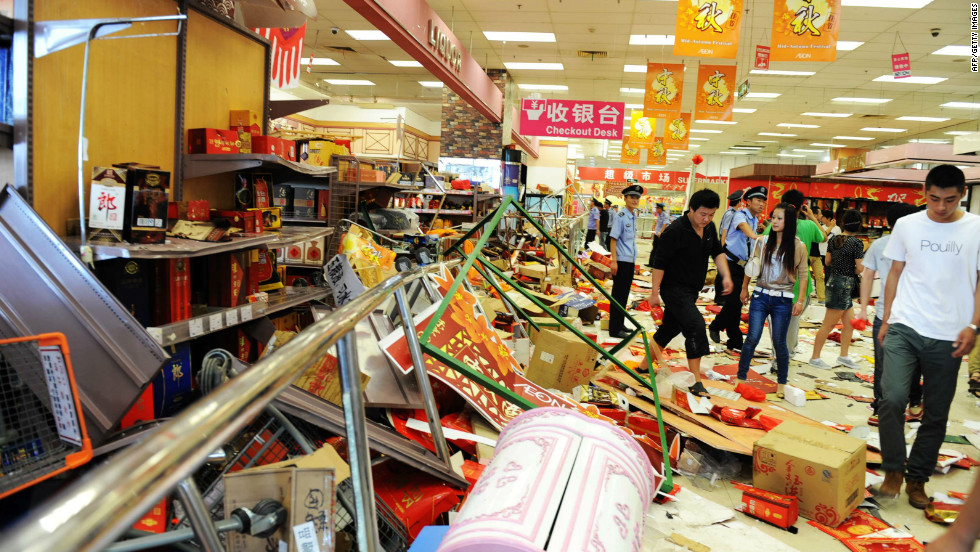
{"type": "Point", "coordinates": [212, 140]}
{"type": "Point", "coordinates": [199, 210]}
{"type": "Point", "coordinates": [227, 279]}
{"type": "Point", "coordinates": [266, 144]}
{"type": "Point", "coordinates": [779, 510]}
{"type": "Point", "coordinates": [172, 288]}
{"type": "Point", "coordinates": [155, 521]}
{"type": "Point", "coordinates": [322, 204]}
{"type": "Point", "coordinates": [254, 272]}
{"type": "Point", "coordinates": [246, 119]}
{"type": "Point", "coordinates": [261, 188]}
{"type": "Point", "coordinates": [288, 149]}
{"type": "Point", "coordinates": [249, 221]}
{"type": "Point", "coordinates": [271, 217]}
{"type": "Point", "coordinates": [141, 411]}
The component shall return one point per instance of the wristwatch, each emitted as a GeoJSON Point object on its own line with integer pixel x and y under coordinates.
{"type": "Point", "coordinates": [974, 327]}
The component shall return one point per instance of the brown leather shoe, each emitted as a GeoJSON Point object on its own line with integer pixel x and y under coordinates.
{"type": "Point", "coordinates": [892, 486]}
{"type": "Point", "coordinates": [917, 494]}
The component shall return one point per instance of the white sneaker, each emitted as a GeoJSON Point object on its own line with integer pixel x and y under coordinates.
{"type": "Point", "coordinates": [820, 363]}
{"type": "Point", "coordinates": [849, 362]}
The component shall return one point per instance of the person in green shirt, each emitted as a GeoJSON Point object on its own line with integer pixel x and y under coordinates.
{"type": "Point", "coordinates": [809, 231]}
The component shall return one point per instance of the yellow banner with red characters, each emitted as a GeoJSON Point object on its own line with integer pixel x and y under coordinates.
{"type": "Point", "coordinates": [657, 154]}
{"type": "Point", "coordinates": [677, 132]}
{"type": "Point", "coordinates": [715, 93]}
{"type": "Point", "coordinates": [641, 130]}
{"type": "Point", "coordinates": [805, 30]}
{"type": "Point", "coordinates": [664, 90]}
{"type": "Point", "coordinates": [629, 155]}
{"type": "Point", "coordinates": [708, 28]}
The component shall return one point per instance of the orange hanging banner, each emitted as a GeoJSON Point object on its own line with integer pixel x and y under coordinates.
{"type": "Point", "coordinates": [805, 30]}
{"type": "Point", "coordinates": [715, 93]}
{"type": "Point", "coordinates": [629, 155]}
{"type": "Point", "coordinates": [664, 90]}
{"type": "Point", "coordinates": [677, 132]}
{"type": "Point", "coordinates": [641, 130]}
{"type": "Point", "coordinates": [657, 154]}
{"type": "Point", "coordinates": [708, 28]}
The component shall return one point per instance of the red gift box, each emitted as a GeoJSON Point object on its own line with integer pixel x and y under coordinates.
{"type": "Point", "coordinates": [249, 221]}
{"type": "Point", "coordinates": [199, 210]}
{"type": "Point", "coordinates": [212, 140]}
{"type": "Point", "coordinates": [288, 149]}
{"type": "Point", "coordinates": [779, 510]}
{"type": "Point", "coordinates": [266, 144]}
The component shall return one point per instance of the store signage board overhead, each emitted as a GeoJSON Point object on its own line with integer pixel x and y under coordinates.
{"type": "Point", "coordinates": [715, 93]}
{"type": "Point", "coordinates": [664, 89]}
{"type": "Point", "coordinates": [418, 30]}
{"type": "Point", "coordinates": [649, 179]}
{"type": "Point", "coordinates": [805, 30]}
{"type": "Point", "coordinates": [572, 118]}
{"type": "Point", "coordinates": [901, 67]}
{"type": "Point", "coordinates": [762, 57]}
{"type": "Point", "coordinates": [708, 28]}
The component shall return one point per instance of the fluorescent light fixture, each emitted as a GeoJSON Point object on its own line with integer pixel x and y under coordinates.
{"type": "Point", "coordinates": [777, 134]}
{"type": "Point", "coordinates": [534, 66]}
{"type": "Point", "coordinates": [631, 91]}
{"type": "Point", "coordinates": [964, 105]}
{"type": "Point", "coordinates": [322, 61]}
{"type": "Point", "coordinates": [763, 95]}
{"type": "Point", "coordinates": [911, 4]}
{"type": "Point", "coordinates": [884, 129]}
{"type": "Point", "coordinates": [853, 138]}
{"type": "Point", "coordinates": [696, 139]}
{"type": "Point", "coordinates": [752, 148]}
{"type": "Point", "coordinates": [695, 145]}
{"type": "Point", "coordinates": [559, 87]}
{"type": "Point", "coordinates": [404, 63]}
{"type": "Point", "coordinates": [910, 80]}
{"type": "Point", "coordinates": [349, 82]}
{"type": "Point", "coordinates": [782, 73]}
{"type": "Point", "coordinates": [734, 152]}
{"type": "Point", "coordinates": [431, 84]}
{"type": "Point", "coordinates": [794, 125]}
{"type": "Point", "coordinates": [923, 119]}
{"type": "Point", "coordinates": [808, 150]}
{"type": "Point", "coordinates": [764, 141]}
{"type": "Point", "coordinates": [744, 110]}
{"type": "Point", "coordinates": [651, 40]}
{"type": "Point", "coordinates": [634, 106]}
{"type": "Point", "coordinates": [847, 45]}
{"type": "Point", "coordinates": [828, 145]}
{"type": "Point", "coordinates": [960, 132]}
{"type": "Point", "coordinates": [929, 141]}
{"type": "Point", "coordinates": [367, 35]}
{"type": "Point", "coordinates": [952, 50]}
{"type": "Point", "coordinates": [634, 68]}
{"type": "Point", "coordinates": [706, 122]}
{"type": "Point", "coordinates": [821, 114]}
{"type": "Point", "coordinates": [704, 131]}
{"type": "Point", "coordinates": [503, 36]}
{"type": "Point", "coordinates": [844, 99]}
{"type": "Point", "coordinates": [789, 155]}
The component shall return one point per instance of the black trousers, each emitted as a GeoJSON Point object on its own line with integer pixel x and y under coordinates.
{"type": "Point", "coordinates": [589, 236]}
{"type": "Point", "coordinates": [681, 316]}
{"type": "Point", "coordinates": [653, 250]}
{"type": "Point", "coordinates": [622, 282]}
{"type": "Point", "coordinates": [731, 311]}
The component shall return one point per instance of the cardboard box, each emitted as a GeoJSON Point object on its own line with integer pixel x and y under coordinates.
{"type": "Point", "coordinates": [288, 149]}
{"type": "Point", "coordinates": [822, 467]}
{"type": "Point", "coordinates": [304, 202]}
{"type": "Point", "coordinates": [779, 510]}
{"type": "Point", "coordinates": [282, 197]}
{"type": "Point", "coordinates": [536, 271]}
{"type": "Point", "coordinates": [560, 360]}
{"type": "Point", "coordinates": [307, 488]}
{"type": "Point", "coordinates": [212, 140]}
{"type": "Point", "coordinates": [245, 119]}
{"type": "Point", "coordinates": [266, 144]}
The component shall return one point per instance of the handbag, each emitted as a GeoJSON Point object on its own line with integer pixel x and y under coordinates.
{"type": "Point", "coordinates": [753, 267]}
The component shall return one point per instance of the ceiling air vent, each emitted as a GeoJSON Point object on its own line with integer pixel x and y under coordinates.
{"type": "Point", "coordinates": [592, 54]}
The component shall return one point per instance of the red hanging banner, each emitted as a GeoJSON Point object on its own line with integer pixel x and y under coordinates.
{"type": "Point", "coordinates": [900, 66]}
{"type": "Point", "coordinates": [762, 57]}
{"type": "Point", "coordinates": [287, 52]}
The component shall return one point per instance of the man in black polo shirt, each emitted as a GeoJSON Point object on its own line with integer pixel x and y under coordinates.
{"type": "Point", "coordinates": [679, 269]}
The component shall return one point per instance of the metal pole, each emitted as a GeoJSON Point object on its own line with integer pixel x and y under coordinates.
{"type": "Point", "coordinates": [357, 448]}
{"type": "Point", "coordinates": [171, 537]}
{"type": "Point", "coordinates": [422, 376]}
{"type": "Point", "coordinates": [199, 516]}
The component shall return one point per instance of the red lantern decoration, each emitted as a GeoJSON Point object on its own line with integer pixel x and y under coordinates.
{"type": "Point", "coordinates": [697, 159]}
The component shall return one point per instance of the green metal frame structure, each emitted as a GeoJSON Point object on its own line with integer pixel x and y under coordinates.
{"type": "Point", "coordinates": [488, 225]}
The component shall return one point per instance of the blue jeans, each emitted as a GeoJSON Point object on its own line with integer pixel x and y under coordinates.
{"type": "Point", "coordinates": [780, 311]}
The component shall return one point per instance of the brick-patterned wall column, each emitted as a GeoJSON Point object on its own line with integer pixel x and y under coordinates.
{"type": "Point", "coordinates": [466, 133]}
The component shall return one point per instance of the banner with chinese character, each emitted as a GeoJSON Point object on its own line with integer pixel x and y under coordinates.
{"type": "Point", "coordinates": [805, 30]}
{"type": "Point", "coordinates": [286, 53]}
{"type": "Point", "coordinates": [900, 66]}
{"type": "Point", "coordinates": [572, 118]}
{"type": "Point", "coordinates": [715, 93]}
{"type": "Point", "coordinates": [657, 154]}
{"type": "Point", "coordinates": [677, 132]}
{"type": "Point", "coordinates": [762, 57]}
{"type": "Point", "coordinates": [708, 28]}
{"type": "Point", "coordinates": [664, 89]}
{"type": "Point", "coordinates": [650, 179]}
{"type": "Point", "coordinates": [629, 155]}
{"type": "Point", "coordinates": [642, 130]}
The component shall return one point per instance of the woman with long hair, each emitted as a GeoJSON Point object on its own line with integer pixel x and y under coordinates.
{"type": "Point", "coordinates": [844, 254]}
{"type": "Point", "coordinates": [783, 261]}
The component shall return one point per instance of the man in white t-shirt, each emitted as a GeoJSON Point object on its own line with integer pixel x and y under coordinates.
{"type": "Point", "coordinates": [932, 313]}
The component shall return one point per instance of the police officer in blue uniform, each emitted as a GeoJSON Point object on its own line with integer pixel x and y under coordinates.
{"type": "Point", "coordinates": [622, 244]}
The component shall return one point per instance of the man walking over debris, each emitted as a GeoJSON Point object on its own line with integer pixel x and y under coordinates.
{"type": "Point", "coordinates": [932, 310]}
{"type": "Point", "coordinates": [594, 215]}
{"type": "Point", "coordinates": [622, 244]}
{"type": "Point", "coordinates": [679, 270]}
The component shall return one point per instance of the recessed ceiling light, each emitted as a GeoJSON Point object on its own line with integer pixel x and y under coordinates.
{"type": "Point", "coordinates": [503, 36]}
{"type": "Point", "coordinates": [929, 141]}
{"type": "Point", "coordinates": [853, 138]}
{"type": "Point", "coordinates": [431, 84]}
{"type": "Point", "coordinates": [535, 66]}
{"type": "Point", "coordinates": [789, 155]}
{"type": "Point", "coordinates": [777, 134]}
{"type": "Point", "coordinates": [844, 99]}
{"type": "Point", "coordinates": [763, 95]}
{"type": "Point", "coordinates": [910, 80]}
{"type": "Point", "coordinates": [734, 152]}
{"type": "Point", "coordinates": [367, 35]}
{"type": "Point", "coordinates": [884, 129]}
{"type": "Point", "coordinates": [952, 50]}
{"type": "Point", "coordinates": [752, 148]}
{"type": "Point", "coordinates": [651, 40]}
{"type": "Point", "coordinates": [960, 132]}
{"type": "Point", "coordinates": [765, 141]}
{"type": "Point", "coordinates": [923, 119]}
{"type": "Point", "coordinates": [782, 73]}
{"type": "Point", "coordinates": [847, 45]}
{"type": "Point", "coordinates": [559, 87]}
{"type": "Point", "coordinates": [744, 110]}
{"type": "Point", "coordinates": [404, 63]}
{"type": "Point", "coordinates": [964, 105]}
{"type": "Point", "coordinates": [324, 61]}
{"type": "Point", "coordinates": [632, 91]}
{"type": "Point", "coordinates": [794, 125]}
{"type": "Point", "coordinates": [704, 131]}
{"type": "Point", "coordinates": [696, 139]}
{"type": "Point", "coordinates": [695, 145]}
{"type": "Point", "coordinates": [913, 4]}
{"type": "Point", "coordinates": [706, 122]}
{"type": "Point", "coordinates": [828, 145]}
{"type": "Point", "coordinates": [808, 150]}
{"type": "Point", "coordinates": [349, 82]}
{"type": "Point", "coordinates": [634, 68]}
{"type": "Point", "coordinates": [820, 114]}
